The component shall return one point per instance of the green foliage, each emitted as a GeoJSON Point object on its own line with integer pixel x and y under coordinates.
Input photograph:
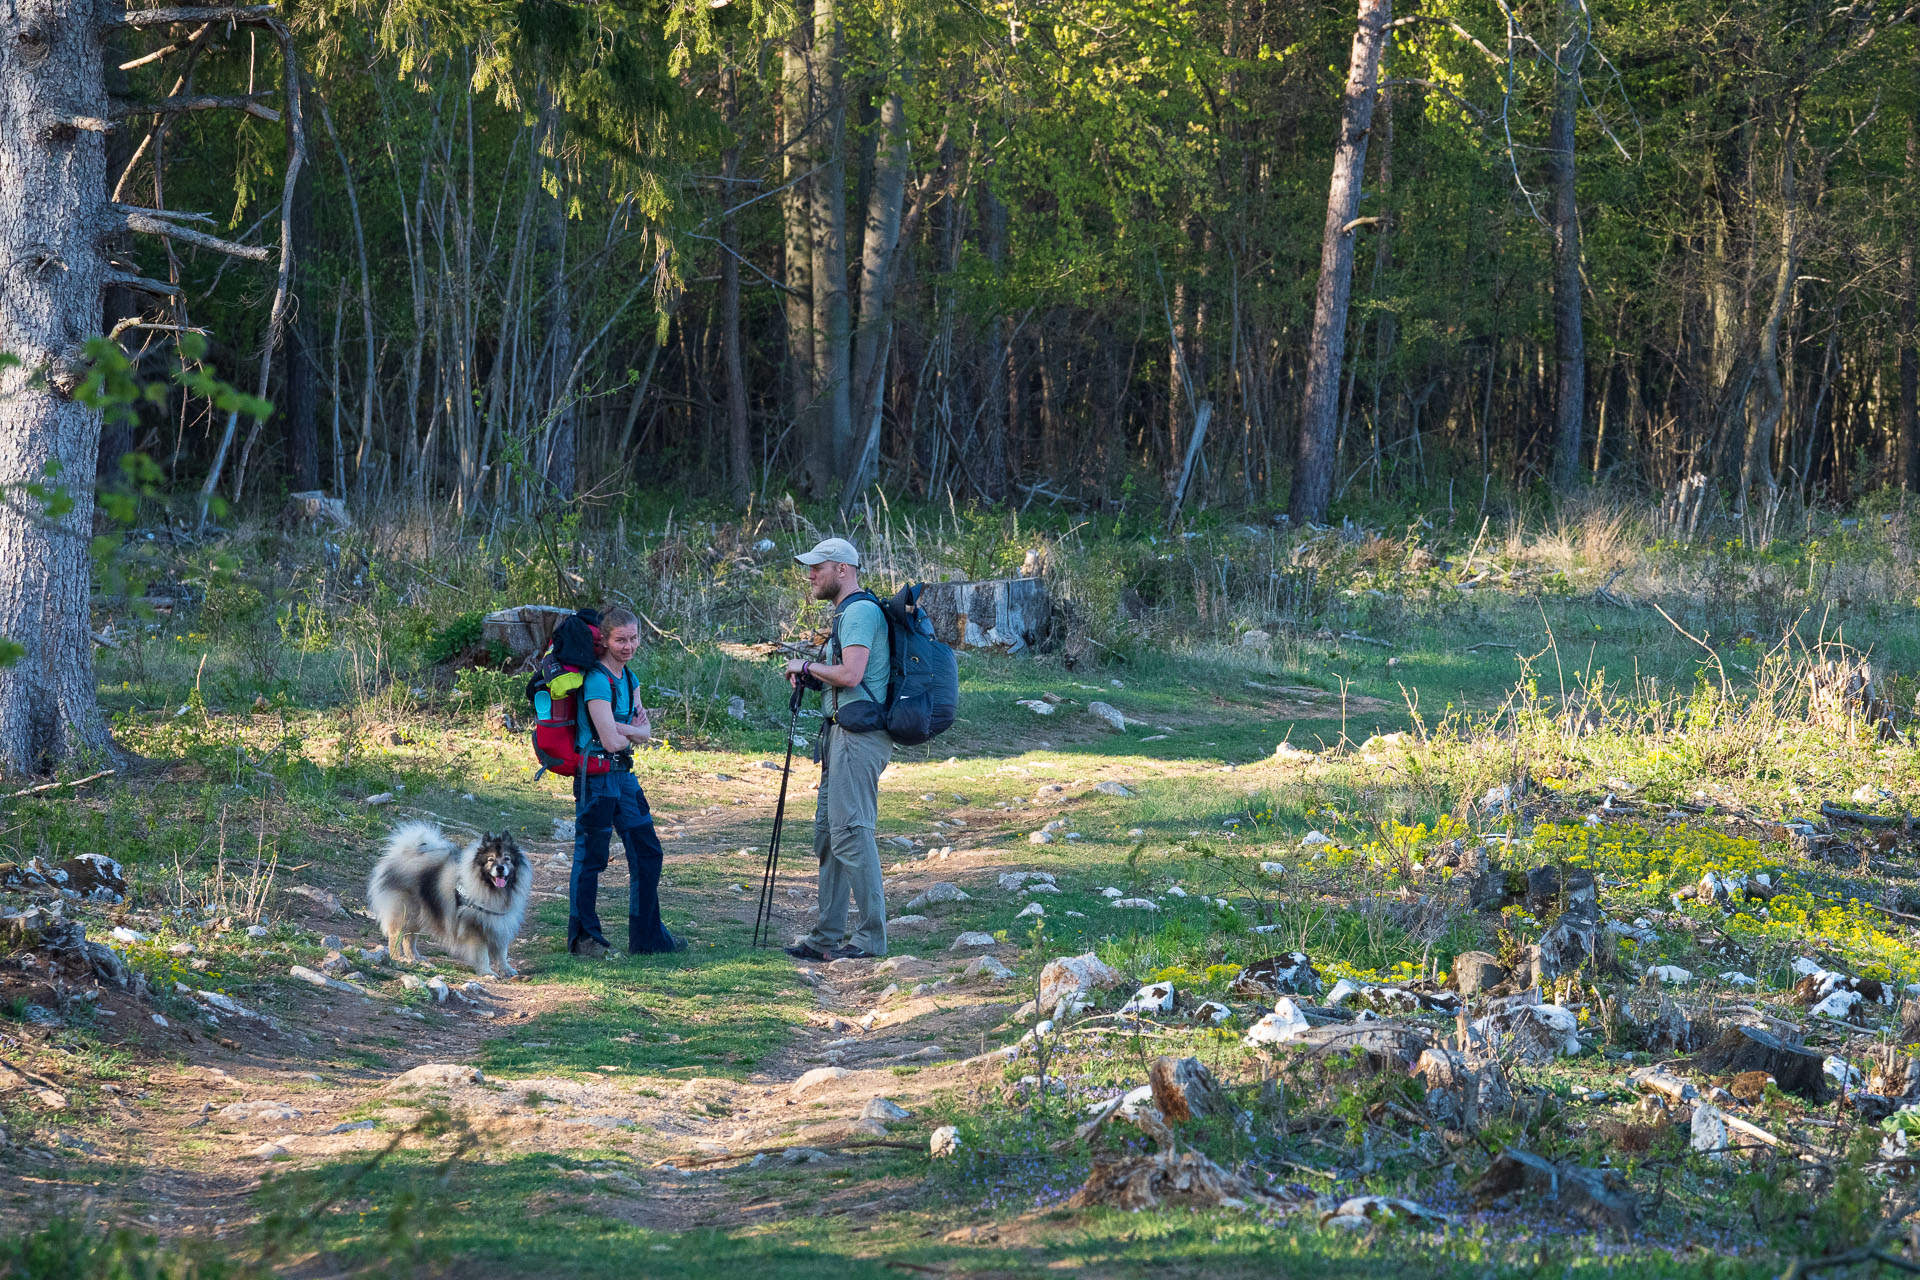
{"type": "Point", "coordinates": [66, 1249]}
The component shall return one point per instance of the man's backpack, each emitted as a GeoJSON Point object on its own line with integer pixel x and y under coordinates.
{"type": "Point", "coordinates": [923, 677]}
{"type": "Point", "coordinates": [554, 693]}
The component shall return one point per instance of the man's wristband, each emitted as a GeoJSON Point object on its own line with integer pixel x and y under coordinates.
{"type": "Point", "coordinates": [805, 667]}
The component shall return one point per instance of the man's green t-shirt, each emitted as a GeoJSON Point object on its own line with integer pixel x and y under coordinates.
{"type": "Point", "coordinates": [863, 623]}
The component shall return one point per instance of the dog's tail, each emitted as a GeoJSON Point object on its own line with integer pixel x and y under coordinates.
{"type": "Point", "coordinates": [416, 839]}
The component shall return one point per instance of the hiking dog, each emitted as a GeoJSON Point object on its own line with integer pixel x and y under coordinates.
{"type": "Point", "coordinates": [471, 901]}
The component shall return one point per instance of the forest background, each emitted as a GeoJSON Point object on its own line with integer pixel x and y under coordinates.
{"type": "Point", "coordinates": [1068, 255]}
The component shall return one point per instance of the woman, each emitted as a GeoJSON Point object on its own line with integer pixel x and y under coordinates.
{"type": "Point", "coordinates": [613, 801]}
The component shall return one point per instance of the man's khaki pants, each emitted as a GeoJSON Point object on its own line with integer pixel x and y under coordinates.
{"type": "Point", "coordinates": [843, 825]}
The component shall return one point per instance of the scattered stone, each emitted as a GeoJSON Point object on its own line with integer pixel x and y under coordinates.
{"type": "Point", "coordinates": [1135, 904]}
{"type": "Point", "coordinates": [351, 1126]}
{"type": "Point", "coordinates": [1040, 837]}
{"type": "Point", "coordinates": [884, 1110]}
{"type": "Point", "coordinates": [1273, 870]}
{"type": "Point", "coordinates": [1035, 705]}
{"type": "Point", "coordinates": [943, 1142]}
{"type": "Point", "coordinates": [973, 938]}
{"type": "Point", "coordinates": [431, 1075]}
{"type": "Point", "coordinates": [909, 924]}
{"type": "Point", "coordinates": [943, 891]}
{"type": "Point", "coordinates": [437, 987]}
{"type": "Point", "coordinates": [1031, 909]}
{"type": "Point", "coordinates": [1011, 880]}
{"type": "Point", "coordinates": [563, 831]}
{"type": "Point", "coordinates": [1211, 1011]}
{"type": "Point", "coordinates": [267, 1151]}
{"type": "Point", "coordinates": [1156, 997]}
{"type": "Point", "coordinates": [121, 933]}
{"type": "Point", "coordinates": [1283, 1026]}
{"type": "Point", "coordinates": [1709, 1135]}
{"type": "Point", "coordinates": [1074, 978]}
{"type": "Point", "coordinates": [1315, 840]}
{"type": "Point", "coordinates": [1113, 789]}
{"type": "Point", "coordinates": [257, 931]}
{"type": "Point", "coordinates": [989, 966]}
{"type": "Point", "coordinates": [804, 1155]}
{"type": "Point", "coordinates": [250, 1111]}
{"type": "Point", "coordinates": [1533, 1032]}
{"type": "Point", "coordinates": [1672, 974]}
{"type": "Point", "coordinates": [317, 979]}
{"type": "Point", "coordinates": [1290, 973]}
{"type": "Point", "coordinates": [332, 942]}
{"type": "Point", "coordinates": [1109, 715]}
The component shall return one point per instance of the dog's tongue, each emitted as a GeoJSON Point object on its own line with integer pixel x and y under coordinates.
{"type": "Point", "coordinates": [499, 882]}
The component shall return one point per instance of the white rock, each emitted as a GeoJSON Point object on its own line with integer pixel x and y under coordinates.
{"type": "Point", "coordinates": [261, 1110]}
{"type": "Point", "coordinates": [1135, 904]}
{"type": "Point", "coordinates": [375, 801]}
{"type": "Point", "coordinates": [1073, 977]}
{"type": "Point", "coordinates": [1735, 978]}
{"type": "Point", "coordinates": [563, 830]}
{"type": "Point", "coordinates": [1109, 714]}
{"type": "Point", "coordinates": [1155, 997]}
{"type": "Point", "coordinates": [972, 938]}
{"type": "Point", "coordinates": [1212, 1011]}
{"type": "Point", "coordinates": [1040, 888]}
{"type": "Point", "coordinates": [1130, 1102]}
{"type": "Point", "coordinates": [1031, 909]}
{"type": "Point", "coordinates": [884, 1110]}
{"type": "Point", "coordinates": [1496, 799]}
{"type": "Point", "coordinates": [1343, 991]}
{"type": "Point", "coordinates": [1709, 1131]}
{"type": "Point", "coordinates": [737, 707]}
{"type": "Point", "coordinates": [267, 1151]}
{"type": "Point", "coordinates": [1036, 706]}
{"type": "Point", "coordinates": [1285, 1024]}
{"type": "Point", "coordinates": [1175, 891]}
{"type": "Point", "coordinates": [989, 966]}
{"type": "Point", "coordinates": [257, 931]}
{"type": "Point", "coordinates": [160, 1020]}
{"type": "Point", "coordinates": [1844, 1073]}
{"type": "Point", "coordinates": [1111, 788]}
{"type": "Point", "coordinates": [1672, 974]}
{"type": "Point", "coordinates": [121, 933]}
{"type": "Point", "coordinates": [811, 1080]}
{"type": "Point", "coordinates": [943, 1142]}
{"type": "Point", "coordinates": [1806, 967]}
{"type": "Point", "coordinates": [1272, 870]}
{"type": "Point", "coordinates": [1112, 893]}
{"type": "Point", "coordinates": [939, 892]}
{"type": "Point", "coordinates": [1040, 837]}
{"type": "Point", "coordinates": [438, 988]}
{"type": "Point", "coordinates": [1018, 879]}
{"type": "Point", "coordinates": [1315, 839]}
{"type": "Point", "coordinates": [442, 1074]}
{"type": "Point", "coordinates": [1838, 1005]}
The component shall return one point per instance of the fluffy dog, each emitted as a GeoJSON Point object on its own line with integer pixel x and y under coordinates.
{"type": "Point", "coordinates": [470, 900]}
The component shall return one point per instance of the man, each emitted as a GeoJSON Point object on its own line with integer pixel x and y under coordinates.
{"type": "Point", "coordinates": [851, 761]}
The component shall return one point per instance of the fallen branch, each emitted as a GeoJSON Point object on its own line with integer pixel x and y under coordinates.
{"type": "Point", "coordinates": [55, 786]}
{"type": "Point", "coordinates": [1834, 813]}
{"type": "Point", "coordinates": [1491, 644]}
{"type": "Point", "coordinates": [721, 1157]}
{"type": "Point", "coordinates": [1093, 1126]}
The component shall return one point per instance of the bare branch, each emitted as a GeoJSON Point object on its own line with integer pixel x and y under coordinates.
{"type": "Point", "coordinates": [125, 325]}
{"type": "Point", "coordinates": [199, 102]}
{"type": "Point", "coordinates": [86, 124]}
{"type": "Point", "coordinates": [140, 284]}
{"type": "Point", "coordinates": [1433, 87]}
{"type": "Point", "coordinates": [167, 17]}
{"type": "Point", "coordinates": [164, 51]}
{"type": "Point", "coordinates": [148, 224]}
{"type": "Point", "coordinates": [183, 215]}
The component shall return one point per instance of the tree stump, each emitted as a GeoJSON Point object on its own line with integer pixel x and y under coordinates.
{"type": "Point", "coordinates": [1009, 614]}
{"type": "Point", "coordinates": [523, 629]}
{"type": "Point", "coordinates": [1795, 1068]}
{"type": "Point", "coordinates": [1183, 1088]}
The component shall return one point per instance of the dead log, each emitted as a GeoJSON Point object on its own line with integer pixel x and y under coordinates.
{"type": "Point", "coordinates": [523, 629]}
{"type": "Point", "coordinates": [1795, 1068]}
{"type": "Point", "coordinates": [1595, 1197]}
{"type": "Point", "coordinates": [1184, 1178]}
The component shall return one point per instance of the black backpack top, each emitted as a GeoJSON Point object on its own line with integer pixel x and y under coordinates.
{"type": "Point", "coordinates": [923, 677]}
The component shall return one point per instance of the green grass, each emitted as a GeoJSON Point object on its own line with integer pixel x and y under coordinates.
{"type": "Point", "coordinates": [716, 1009]}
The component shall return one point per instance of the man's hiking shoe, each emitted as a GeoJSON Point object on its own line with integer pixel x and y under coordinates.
{"type": "Point", "coordinates": [801, 951]}
{"type": "Point", "coordinates": [678, 944]}
{"type": "Point", "coordinates": [589, 948]}
{"type": "Point", "coordinates": [851, 953]}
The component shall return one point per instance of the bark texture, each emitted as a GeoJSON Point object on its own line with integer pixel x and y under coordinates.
{"type": "Point", "coordinates": [1314, 461]}
{"type": "Point", "coordinates": [1569, 339]}
{"type": "Point", "coordinates": [52, 181]}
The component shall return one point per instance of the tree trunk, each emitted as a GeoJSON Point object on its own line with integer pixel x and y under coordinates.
{"type": "Point", "coordinates": [796, 209]}
{"type": "Point", "coordinates": [1909, 318]}
{"type": "Point", "coordinates": [739, 459]}
{"type": "Point", "coordinates": [1754, 465]}
{"type": "Point", "coordinates": [831, 455]}
{"type": "Point", "coordinates": [563, 419]}
{"type": "Point", "coordinates": [885, 202]}
{"type": "Point", "coordinates": [52, 185]}
{"type": "Point", "coordinates": [1314, 462]}
{"type": "Point", "coordinates": [1569, 343]}
{"type": "Point", "coordinates": [991, 453]}
{"type": "Point", "coordinates": [302, 354]}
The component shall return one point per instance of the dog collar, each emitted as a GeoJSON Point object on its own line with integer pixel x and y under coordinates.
{"type": "Point", "coordinates": [462, 900]}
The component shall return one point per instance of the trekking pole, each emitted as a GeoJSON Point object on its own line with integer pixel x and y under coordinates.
{"type": "Point", "coordinates": [763, 922]}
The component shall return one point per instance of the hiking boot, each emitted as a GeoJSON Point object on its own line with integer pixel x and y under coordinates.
{"type": "Point", "coordinates": [801, 951]}
{"type": "Point", "coordinates": [851, 953]}
{"type": "Point", "coordinates": [589, 949]}
{"type": "Point", "coordinates": [675, 944]}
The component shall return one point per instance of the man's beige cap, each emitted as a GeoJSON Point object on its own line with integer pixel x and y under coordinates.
{"type": "Point", "coordinates": [838, 550]}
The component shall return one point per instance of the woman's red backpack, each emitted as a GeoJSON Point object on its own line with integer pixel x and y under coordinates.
{"type": "Point", "coordinates": [554, 694]}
